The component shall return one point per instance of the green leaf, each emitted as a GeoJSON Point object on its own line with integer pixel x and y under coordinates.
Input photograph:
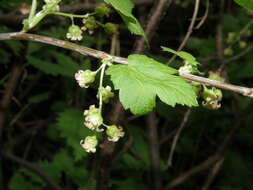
{"type": "Point", "coordinates": [143, 79]}
{"type": "Point", "coordinates": [247, 4]}
{"type": "Point", "coordinates": [124, 8]}
{"type": "Point", "coordinates": [184, 55]}
{"type": "Point", "coordinates": [70, 125]}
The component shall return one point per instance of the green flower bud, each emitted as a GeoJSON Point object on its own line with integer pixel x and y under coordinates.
{"type": "Point", "coordinates": [74, 33]}
{"type": "Point", "coordinates": [102, 10]}
{"type": "Point", "coordinates": [51, 5]}
{"type": "Point", "coordinates": [114, 133]}
{"type": "Point", "coordinates": [215, 75]}
{"type": "Point", "coordinates": [242, 44]}
{"type": "Point", "coordinates": [111, 28]}
{"type": "Point", "coordinates": [211, 105]}
{"type": "Point", "coordinates": [106, 93]}
{"type": "Point", "coordinates": [89, 144]}
{"type": "Point", "coordinates": [231, 37]}
{"type": "Point", "coordinates": [90, 24]}
{"type": "Point", "coordinates": [84, 78]}
{"type": "Point", "coordinates": [211, 98]}
{"type": "Point", "coordinates": [228, 52]}
{"type": "Point", "coordinates": [93, 118]}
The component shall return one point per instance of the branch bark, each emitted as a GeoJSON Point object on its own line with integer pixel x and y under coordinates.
{"type": "Point", "coordinates": [101, 55]}
{"type": "Point", "coordinates": [36, 170]}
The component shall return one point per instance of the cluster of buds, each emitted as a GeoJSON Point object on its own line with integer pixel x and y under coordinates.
{"type": "Point", "coordinates": [90, 24]}
{"type": "Point", "coordinates": [212, 98]}
{"type": "Point", "coordinates": [85, 78]}
{"type": "Point", "coordinates": [74, 33]}
{"type": "Point", "coordinates": [93, 118]}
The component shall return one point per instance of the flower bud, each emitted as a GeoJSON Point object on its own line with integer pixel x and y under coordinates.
{"type": "Point", "coordinates": [106, 93]}
{"type": "Point", "coordinates": [215, 75]}
{"type": "Point", "coordinates": [211, 98]}
{"type": "Point", "coordinates": [111, 28]}
{"type": "Point", "coordinates": [89, 144]}
{"type": "Point", "coordinates": [114, 133]}
{"type": "Point", "coordinates": [84, 78]}
{"type": "Point", "coordinates": [231, 37]}
{"type": "Point", "coordinates": [51, 5]}
{"type": "Point", "coordinates": [90, 23]}
{"type": "Point", "coordinates": [242, 44]}
{"type": "Point", "coordinates": [74, 33]}
{"type": "Point", "coordinates": [228, 52]}
{"type": "Point", "coordinates": [102, 10]}
{"type": "Point", "coordinates": [93, 118]}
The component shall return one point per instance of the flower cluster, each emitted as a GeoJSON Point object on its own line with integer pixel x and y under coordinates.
{"type": "Point", "coordinates": [93, 116]}
{"type": "Point", "coordinates": [212, 98]}
{"type": "Point", "coordinates": [51, 5]}
{"type": "Point", "coordinates": [74, 33]}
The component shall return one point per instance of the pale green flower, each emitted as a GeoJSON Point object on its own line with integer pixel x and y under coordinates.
{"type": "Point", "coordinates": [93, 118]}
{"type": "Point", "coordinates": [84, 78]}
{"type": "Point", "coordinates": [106, 93]}
{"type": "Point", "coordinates": [74, 33]}
{"type": "Point", "coordinates": [89, 144]}
{"type": "Point", "coordinates": [114, 133]}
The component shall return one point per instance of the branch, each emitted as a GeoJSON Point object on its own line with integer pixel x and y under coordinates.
{"type": "Point", "coordinates": [36, 170]}
{"type": "Point", "coordinates": [190, 29]}
{"type": "Point", "coordinates": [101, 55]}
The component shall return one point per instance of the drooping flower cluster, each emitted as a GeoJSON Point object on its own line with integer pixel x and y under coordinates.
{"type": "Point", "coordinates": [93, 116]}
{"type": "Point", "coordinates": [74, 33]}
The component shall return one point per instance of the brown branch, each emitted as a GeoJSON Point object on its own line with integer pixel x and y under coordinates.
{"type": "Point", "coordinates": [14, 19]}
{"type": "Point", "coordinates": [214, 171]}
{"type": "Point", "coordinates": [6, 99]}
{"type": "Point", "coordinates": [190, 29]}
{"type": "Point", "coordinates": [176, 137]}
{"type": "Point", "coordinates": [197, 169]}
{"type": "Point", "coordinates": [156, 14]}
{"type": "Point", "coordinates": [101, 55]}
{"type": "Point", "coordinates": [34, 169]}
{"type": "Point", "coordinates": [151, 122]}
{"type": "Point", "coordinates": [203, 19]}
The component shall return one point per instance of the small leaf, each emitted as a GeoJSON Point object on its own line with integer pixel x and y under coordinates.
{"type": "Point", "coordinates": [182, 54]}
{"type": "Point", "coordinates": [124, 8]}
{"type": "Point", "coordinates": [143, 79]}
{"type": "Point", "coordinates": [247, 4]}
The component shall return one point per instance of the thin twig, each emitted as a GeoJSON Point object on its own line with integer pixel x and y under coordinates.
{"type": "Point", "coordinates": [203, 19]}
{"type": "Point", "coordinates": [34, 169]}
{"type": "Point", "coordinates": [151, 122]}
{"type": "Point", "coordinates": [156, 14]}
{"type": "Point", "coordinates": [214, 171]}
{"type": "Point", "coordinates": [101, 55]}
{"type": "Point", "coordinates": [190, 29]}
{"type": "Point", "coordinates": [176, 137]}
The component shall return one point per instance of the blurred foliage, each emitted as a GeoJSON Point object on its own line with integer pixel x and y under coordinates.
{"type": "Point", "coordinates": [45, 122]}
